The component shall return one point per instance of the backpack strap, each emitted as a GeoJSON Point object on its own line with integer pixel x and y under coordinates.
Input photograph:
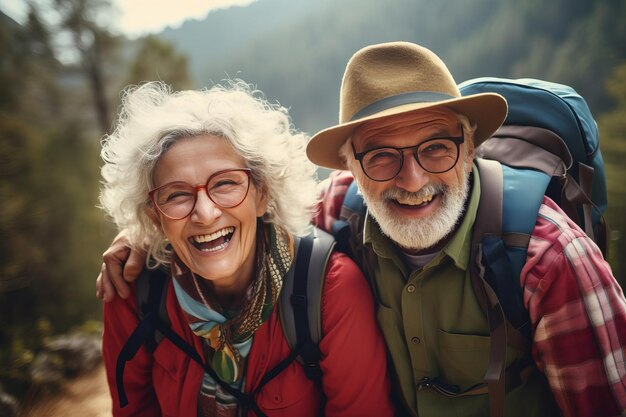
{"type": "Point", "coordinates": [507, 212]}
{"type": "Point", "coordinates": [352, 211]}
{"type": "Point", "coordinates": [300, 300]}
{"type": "Point", "coordinates": [155, 325]}
{"type": "Point", "coordinates": [300, 314]}
{"type": "Point", "coordinates": [244, 399]}
{"type": "Point", "coordinates": [151, 293]}
{"type": "Point", "coordinates": [496, 367]}
{"type": "Point", "coordinates": [543, 150]}
{"type": "Point", "coordinates": [563, 112]}
{"type": "Point", "coordinates": [516, 146]}
{"type": "Point", "coordinates": [151, 296]}
{"type": "Point", "coordinates": [348, 232]}
{"type": "Point", "coordinates": [579, 194]}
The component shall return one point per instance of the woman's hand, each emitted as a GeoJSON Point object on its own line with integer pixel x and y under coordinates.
{"type": "Point", "coordinates": [121, 265]}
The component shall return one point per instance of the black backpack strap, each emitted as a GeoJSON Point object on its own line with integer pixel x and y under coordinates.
{"type": "Point", "coordinates": [299, 304]}
{"type": "Point", "coordinates": [154, 325]}
{"type": "Point", "coordinates": [244, 399]}
{"type": "Point", "coordinates": [142, 332]}
{"type": "Point", "coordinates": [300, 300]}
{"type": "Point", "coordinates": [151, 293]}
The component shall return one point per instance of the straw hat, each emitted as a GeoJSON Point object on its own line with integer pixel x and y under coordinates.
{"type": "Point", "coordinates": [398, 77]}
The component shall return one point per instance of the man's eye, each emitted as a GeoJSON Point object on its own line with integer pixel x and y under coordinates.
{"type": "Point", "coordinates": [385, 154]}
{"type": "Point", "coordinates": [434, 147]}
{"type": "Point", "coordinates": [382, 155]}
{"type": "Point", "coordinates": [437, 148]}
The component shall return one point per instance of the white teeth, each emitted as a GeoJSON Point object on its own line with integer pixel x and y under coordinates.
{"type": "Point", "coordinates": [219, 247]}
{"type": "Point", "coordinates": [412, 202]}
{"type": "Point", "coordinates": [212, 236]}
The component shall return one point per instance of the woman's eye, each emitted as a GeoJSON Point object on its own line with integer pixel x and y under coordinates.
{"type": "Point", "coordinates": [225, 182]}
{"type": "Point", "coordinates": [177, 195]}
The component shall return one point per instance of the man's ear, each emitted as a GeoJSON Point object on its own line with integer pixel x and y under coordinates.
{"type": "Point", "coordinates": [470, 157]}
{"type": "Point", "coordinates": [470, 152]}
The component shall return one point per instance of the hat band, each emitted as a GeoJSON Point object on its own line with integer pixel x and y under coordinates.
{"type": "Point", "coordinates": [399, 100]}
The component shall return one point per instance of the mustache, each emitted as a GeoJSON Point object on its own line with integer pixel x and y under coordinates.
{"type": "Point", "coordinates": [427, 190]}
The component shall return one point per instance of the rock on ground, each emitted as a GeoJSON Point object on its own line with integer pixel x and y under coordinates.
{"type": "Point", "coordinates": [85, 396]}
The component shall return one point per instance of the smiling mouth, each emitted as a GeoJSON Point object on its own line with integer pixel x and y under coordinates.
{"type": "Point", "coordinates": [413, 202]}
{"type": "Point", "coordinates": [213, 242]}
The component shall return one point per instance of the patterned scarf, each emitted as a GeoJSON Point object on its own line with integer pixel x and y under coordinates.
{"type": "Point", "coordinates": [228, 334]}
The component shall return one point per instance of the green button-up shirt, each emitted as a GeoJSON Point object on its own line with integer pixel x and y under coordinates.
{"type": "Point", "coordinates": [432, 322]}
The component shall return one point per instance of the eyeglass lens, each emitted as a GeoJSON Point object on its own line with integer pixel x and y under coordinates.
{"type": "Point", "coordinates": [226, 189]}
{"type": "Point", "coordinates": [435, 155]}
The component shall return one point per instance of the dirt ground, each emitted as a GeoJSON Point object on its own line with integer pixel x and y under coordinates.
{"type": "Point", "coordinates": [86, 396]}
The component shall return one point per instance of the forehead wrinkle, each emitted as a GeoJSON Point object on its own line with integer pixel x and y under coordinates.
{"type": "Point", "coordinates": [414, 121]}
{"type": "Point", "coordinates": [420, 131]}
{"type": "Point", "coordinates": [180, 162]}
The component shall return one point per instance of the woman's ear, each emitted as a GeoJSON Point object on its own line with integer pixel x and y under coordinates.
{"type": "Point", "coordinates": [152, 214]}
{"type": "Point", "coordinates": [261, 201]}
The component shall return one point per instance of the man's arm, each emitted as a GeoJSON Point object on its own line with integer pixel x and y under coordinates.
{"type": "Point", "coordinates": [121, 265]}
{"type": "Point", "coordinates": [578, 314]}
{"type": "Point", "coordinates": [332, 193]}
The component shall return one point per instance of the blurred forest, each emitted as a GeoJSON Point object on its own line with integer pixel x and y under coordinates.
{"type": "Point", "coordinates": [61, 74]}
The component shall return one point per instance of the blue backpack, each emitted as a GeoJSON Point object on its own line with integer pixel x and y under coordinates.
{"type": "Point", "coordinates": [547, 146]}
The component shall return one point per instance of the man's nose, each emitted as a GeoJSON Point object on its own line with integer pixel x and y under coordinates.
{"type": "Point", "coordinates": [412, 176]}
{"type": "Point", "coordinates": [205, 211]}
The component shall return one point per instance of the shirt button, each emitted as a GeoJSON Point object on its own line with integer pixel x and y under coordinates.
{"type": "Point", "coordinates": [416, 340]}
{"type": "Point", "coordinates": [277, 398]}
{"type": "Point", "coordinates": [410, 288]}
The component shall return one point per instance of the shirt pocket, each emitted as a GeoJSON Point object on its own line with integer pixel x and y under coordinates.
{"type": "Point", "coordinates": [168, 376]}
{"type": "Point", "coordinates": [290, 393]}
{"type": "Point", "coordinates": [462, 358]}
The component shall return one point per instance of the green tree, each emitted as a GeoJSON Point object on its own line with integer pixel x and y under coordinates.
{"type": "Point", "coordinates": [612, 126]}
{"type": "Point", "coordinates": [94, 46]}
{"type": "Point", "coordinates": [51, 234]}
{"type": "Point", "coordinates": [159, 60]}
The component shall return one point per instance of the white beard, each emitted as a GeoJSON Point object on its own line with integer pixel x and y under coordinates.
{"type": "Point", "coordinates": [420, 233]}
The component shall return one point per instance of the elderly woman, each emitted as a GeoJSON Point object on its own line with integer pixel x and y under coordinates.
{"type": "Point", "coordinates": [219, 185]}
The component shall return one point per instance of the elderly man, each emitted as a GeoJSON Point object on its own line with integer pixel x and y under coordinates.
{"type": "Point", "coordinates": [408, 138]}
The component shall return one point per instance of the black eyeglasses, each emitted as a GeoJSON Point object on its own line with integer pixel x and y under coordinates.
{"type": "Point", "coordinates": [227, 189]}
{"type": "Point", "coordinates": [435, 155]}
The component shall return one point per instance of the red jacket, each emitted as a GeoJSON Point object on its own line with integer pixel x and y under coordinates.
{"type": "Point", "coordinates": [355, 381]}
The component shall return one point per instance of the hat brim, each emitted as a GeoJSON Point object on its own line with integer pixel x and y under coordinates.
{"type": "Point", "coordinates": [487, 110]}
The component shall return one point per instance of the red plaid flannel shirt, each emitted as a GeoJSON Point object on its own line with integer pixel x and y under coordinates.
{"type": "Point", "coordinates": [578, 313]}
{"type": "Point", "coordinates": [577, 309]}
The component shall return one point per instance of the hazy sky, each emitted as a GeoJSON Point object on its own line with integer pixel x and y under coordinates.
{"type": "Point", "coordinates": [137, 17]}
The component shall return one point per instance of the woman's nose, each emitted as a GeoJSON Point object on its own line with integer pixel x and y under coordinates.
{"type": "Point", "coordinates": [205, 211]}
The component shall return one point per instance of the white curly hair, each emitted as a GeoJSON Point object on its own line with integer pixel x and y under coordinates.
{"type": "Point", "coordinates": [152, 118]}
